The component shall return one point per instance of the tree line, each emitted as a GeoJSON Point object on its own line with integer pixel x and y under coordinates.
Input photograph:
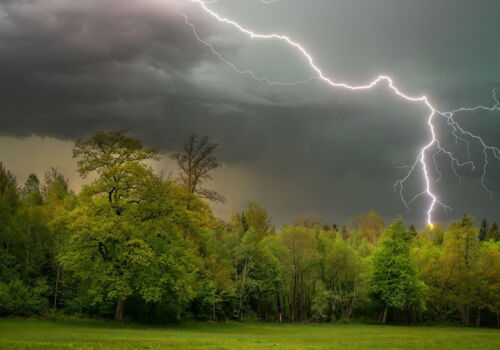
{"type": "Point", "coordinates": [135, 245]}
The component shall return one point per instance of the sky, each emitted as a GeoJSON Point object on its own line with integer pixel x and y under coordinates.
{"type": "Point", "coordinates": [71, 68]}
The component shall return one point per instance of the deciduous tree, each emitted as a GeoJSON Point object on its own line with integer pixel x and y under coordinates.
{"type": "Point", "coordinates": [395, 280]}
{"type": "Point", "coordinates": [197, 161]}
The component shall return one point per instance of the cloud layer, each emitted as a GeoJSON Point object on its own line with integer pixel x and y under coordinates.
{"type": "Point", "coordinates": [68, 69]}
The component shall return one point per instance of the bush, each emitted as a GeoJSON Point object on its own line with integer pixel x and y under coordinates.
{"type": "Point", "coordinates": [16, 298]}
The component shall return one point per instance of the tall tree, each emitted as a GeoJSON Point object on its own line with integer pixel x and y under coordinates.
{"type": "Point", "coordinates": [58, 202]}
{"type": "Point", "coordinates": [196, 162]}
{"type": "Point", "coordinates": [371, 225]}
{"type": "Point", "coordinates": [395, 281]}
{"type": "Point", "coordinates": [9, 202]}
{"type": "Point", "coordinates": [483, 230]}
{"type": "Point", "coordinates": [54, 178]}
{"type": "Point", "coordinates": [494, 232]}
{"type": "Point", "coordinates": [249, 228]}
{"type": "Point", "coordinates": [258, 220]}
{"type": "Point", "coordinates": [118, 161]}
{"type": "Point", "coordinates": [451, 271]}
{"type": "Point", "coordinates": [300, 259]}
{"type": "Point", "coordinates": [33, 226]}
{"type": "Point", "coordinates": [487, 279]}
{"type": "Point", "coordinates": [344, 278]}
{"type": "Point", "coordinates": [123, 241]}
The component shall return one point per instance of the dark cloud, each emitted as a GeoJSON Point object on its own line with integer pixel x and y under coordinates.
{"type": "Point", "coordinates": [65, 66]}
{"type": "Point", "coordinates": [70, 68]}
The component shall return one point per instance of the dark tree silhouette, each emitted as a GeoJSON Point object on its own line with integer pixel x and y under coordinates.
{"type": "Point", "coordinates": [196, 162]}
{"type": "Point", "coordinates": [483, 230]}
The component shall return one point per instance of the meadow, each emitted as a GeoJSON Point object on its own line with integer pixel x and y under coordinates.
{"type": "Point", "coordinates": [87, 334]}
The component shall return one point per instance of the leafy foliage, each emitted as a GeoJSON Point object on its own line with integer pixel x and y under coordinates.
{"type": "Point", "coordinates": [135, 245]}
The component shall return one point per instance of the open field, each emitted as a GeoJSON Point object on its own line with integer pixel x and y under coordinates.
{"type": "Point", "coordinates": [80, 334]}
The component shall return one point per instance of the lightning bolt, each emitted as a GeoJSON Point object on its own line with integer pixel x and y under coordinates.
{"type": "Point", "coordinates": [424, 155]}
{"type": "Point", "coordinates": [250, 73]}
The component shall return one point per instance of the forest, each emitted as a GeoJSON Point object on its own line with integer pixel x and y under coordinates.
{"type": "Point", "coordinates": [135, 245]}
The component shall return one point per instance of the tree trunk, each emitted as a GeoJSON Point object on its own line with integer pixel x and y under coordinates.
{"type": "Point", "coordinates": [28, 249]}
{"type": "Point", "coordinates": [478, 317]}
{"type": "Point", "coordinates": [464, 314]}
{"type": "Point", "coordinates": [243, 290]}
{"type": "Point", "coordinates": [279, 307]}
{"type": "Point", "coordinates": [384, 316]}
{"type": "Point", "coordinates": [120, 307]}
{"type": "Point", "coordinates": [152, 310]}
{"type": "Point", "coordinates": [56, 291]}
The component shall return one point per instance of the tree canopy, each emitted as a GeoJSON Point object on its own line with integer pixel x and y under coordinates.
{"type": "Point", "coordinates": [135, 245]}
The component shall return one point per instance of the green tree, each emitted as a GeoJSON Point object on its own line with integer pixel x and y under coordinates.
{"type": "Point", "coordinates": [9, 203]}
{"type": "Point", "coordinates": [22, 256]}
{"type": "Point", "coordinates": [371, 225]}
{"type": "Point", "coordinates": [451, 271]}
{"type": "Point", "coordinates": [258, 219]}
{"type": "Point", "coordinates": [395, 281]}
{"type": "Point", "coordinates": [300, 260]}
{"type": "Point", "coordinates": [33, 227]}
{"type": "Point", "coordinates": [345, 279]}
{"type": "Point", "coordinates": [494, 232]}
{"type": "Point", "coordinates": [59, 200]}
{"type": "Point", "coordinates": [427, 255]}
{"type": "Point", "coordinates": [124, 241]}
{"type": "Point", "coordinates": [461, 253]}
{"type": "Point", "coordinates": [413, 230]}
{"type": "Point", "coordinates": [487, 277]}
{"type": "Point", "coordinates": [118, 161]}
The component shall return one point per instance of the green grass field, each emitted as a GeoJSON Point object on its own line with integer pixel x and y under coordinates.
{"type": "Point", "coordinates": [81, 334]}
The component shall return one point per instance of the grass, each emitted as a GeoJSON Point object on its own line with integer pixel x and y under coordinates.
{"type": "Point", "coordinates": [82, 334]}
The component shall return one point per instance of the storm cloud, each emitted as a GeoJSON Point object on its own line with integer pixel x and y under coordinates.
{"type": "Point", "coordinates": [68, 69]}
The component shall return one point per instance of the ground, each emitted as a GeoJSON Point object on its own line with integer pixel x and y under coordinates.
{"type": "Point", "coordinates": [81, 334]}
